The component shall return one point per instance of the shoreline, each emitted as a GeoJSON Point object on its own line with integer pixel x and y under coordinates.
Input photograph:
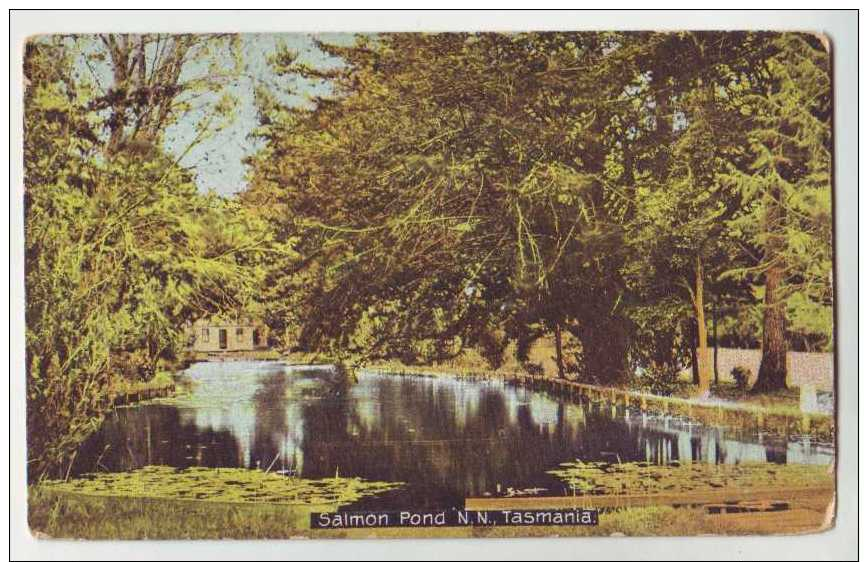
{"type": "Point", "coordinates": [780, 420]}
{"type": "Point", "coordinates": [784, 421]}
{"type": "Point", "coordinates": [120, 518]}
{"type": "Point", "coordinates": [131, 394]}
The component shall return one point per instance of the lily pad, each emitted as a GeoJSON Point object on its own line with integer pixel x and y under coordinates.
{"type": "Point", "coordinates": [234, 485]}
{"type": "Point", "coordinates": [600, 478]}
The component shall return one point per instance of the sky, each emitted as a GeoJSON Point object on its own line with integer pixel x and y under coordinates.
{"type": "Point", "coordinates": [217, 161]}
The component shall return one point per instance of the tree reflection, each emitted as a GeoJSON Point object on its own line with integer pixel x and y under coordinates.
{"type": "Point", "coordinates": [447, 438]}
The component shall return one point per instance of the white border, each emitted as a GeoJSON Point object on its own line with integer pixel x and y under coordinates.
{"type": "Point", "coordinates": [839, 543]}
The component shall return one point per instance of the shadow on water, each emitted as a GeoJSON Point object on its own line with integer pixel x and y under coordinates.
{"type": "Point", "coordinates": [446, 438]}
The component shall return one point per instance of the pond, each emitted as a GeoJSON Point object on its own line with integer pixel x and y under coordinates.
{"type": "Point", "coordinates": [446, 438]}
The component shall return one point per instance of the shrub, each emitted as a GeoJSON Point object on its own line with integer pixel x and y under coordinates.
{"type": "Point", "coordinates": [741, 376]}
{"type": "Point", "coordinates": [660, 379]}
{"type": "Point", "coordinates": [533, 369]}
{"type": "Point", "coordinates": [492, 347]}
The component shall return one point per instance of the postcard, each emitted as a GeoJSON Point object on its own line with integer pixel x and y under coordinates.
{"type": "Point", "coordinates": [420, 285]}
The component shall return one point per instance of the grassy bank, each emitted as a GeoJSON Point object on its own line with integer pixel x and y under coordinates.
{"type": "Point", "coordinates": [70, 515]}
{"type": "Point", "coordinates": [780, 400]}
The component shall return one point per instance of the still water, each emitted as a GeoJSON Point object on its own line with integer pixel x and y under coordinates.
{"type": "Point", "coordinates": [447, 438]}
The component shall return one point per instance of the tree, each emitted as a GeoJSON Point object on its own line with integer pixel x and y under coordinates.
{"type": "Point", "coordinates": [458, 190]}
{"type": "Point", "coordinates": [473, 161]}
{"type": "Point", "coordinates": [120, 252]}
{"type": "Point", "coordinates": [145, 83]}
{"type": "Point", "coordinates": [787, 184]}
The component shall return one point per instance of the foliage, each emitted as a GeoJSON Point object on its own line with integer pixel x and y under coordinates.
{"type": "Point", "coordinates": [660, 379]}
{"type": "Point", "coordinates": [741, 376]}
{"type": "Point", "coordinates": [448, 192]}
{"type": "Point", "coordinates": [660, 346]}
{"type": "Point", "coordinates": [121, 251]}
{"type": "Point", "coordinates": [468, 190]}
{"type": "Point", "coordinates": [442, 199]}
{"type": "Point", "coordinates": [784, 178]}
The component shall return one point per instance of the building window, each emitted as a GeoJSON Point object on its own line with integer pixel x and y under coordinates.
{"type": "Point", "coordinates": [239, 332]}
{"type": "Point", "coordinates": [255, 336]}
{"type": "Point", "coordinates": [206, 333]}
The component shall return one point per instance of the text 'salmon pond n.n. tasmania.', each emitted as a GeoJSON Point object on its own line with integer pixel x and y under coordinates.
{"type": "Point", "coordinates": [428, 285]}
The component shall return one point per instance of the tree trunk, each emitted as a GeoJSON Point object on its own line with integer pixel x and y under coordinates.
{"type": "Point", "coordinates": [773, 367]}
{"type": "Point", "coordinates": [702, 364]}
{"type": "Point", "coordinates": [714, 336]}
{"type": "Point", "coordinates": [559, 350]}
{"type": "Point", "coordinates": [694, 357]}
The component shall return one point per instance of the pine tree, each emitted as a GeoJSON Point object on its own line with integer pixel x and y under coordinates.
{"type": "Point", "coordinates": [786, 180]}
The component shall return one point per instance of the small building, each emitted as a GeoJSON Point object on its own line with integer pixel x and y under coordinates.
{"type": "Point", "coordinates": [218, 335]}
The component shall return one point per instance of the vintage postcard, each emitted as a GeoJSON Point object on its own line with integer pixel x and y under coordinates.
{"type": "Point", "coordinates": [413, 285]}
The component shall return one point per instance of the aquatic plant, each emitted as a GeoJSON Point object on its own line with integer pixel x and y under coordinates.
{"type": "Point", "coordinates": [231, 485]}
{"type": "Point", "coordinates": [601, 478]}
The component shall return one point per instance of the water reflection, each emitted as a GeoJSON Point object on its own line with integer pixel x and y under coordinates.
{"type": "Point", "coordinates": [447, 438]}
